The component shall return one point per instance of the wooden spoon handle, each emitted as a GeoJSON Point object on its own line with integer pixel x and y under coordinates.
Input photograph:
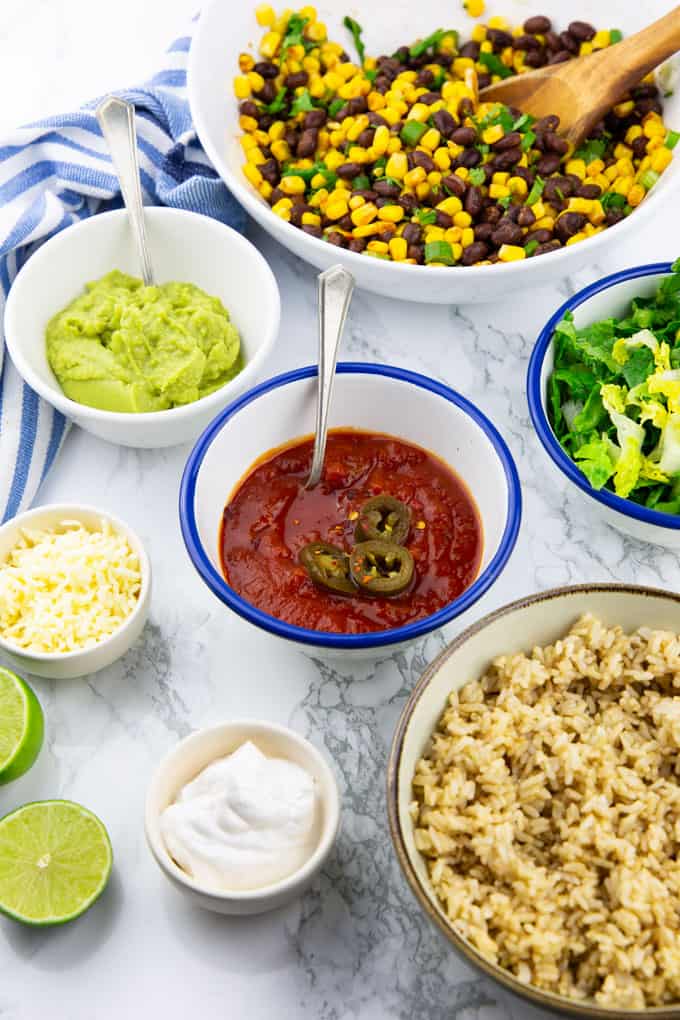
{"type": "Point", "coordinates": [642, 52]}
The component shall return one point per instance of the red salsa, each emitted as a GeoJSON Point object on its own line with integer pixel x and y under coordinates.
{"type": "Point", "coordinates": [271, 517]}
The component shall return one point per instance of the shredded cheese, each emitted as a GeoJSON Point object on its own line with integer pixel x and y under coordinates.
{"type": "Point", "coordinates": [68, 588]}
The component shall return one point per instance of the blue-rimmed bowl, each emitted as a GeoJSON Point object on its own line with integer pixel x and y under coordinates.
{"type": "Point", "coordinates": [374, 398]}
{"type": "Point", "coordinates": [610, 296]}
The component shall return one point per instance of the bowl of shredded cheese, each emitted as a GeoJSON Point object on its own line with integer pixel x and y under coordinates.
{"type": "Point", "coordinates": [75, 585]}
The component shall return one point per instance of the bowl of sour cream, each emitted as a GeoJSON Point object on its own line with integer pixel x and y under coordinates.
{"type": "Point", "coordinates": [242, 816]}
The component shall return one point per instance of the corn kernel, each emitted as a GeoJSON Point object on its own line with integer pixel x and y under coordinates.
{"type": "Point", "coordinates": [253, 174]}
{"type": "Point", "coordinates": [461, 65]}
{"type": "Point", "coordinates": [544, 223]}
{"type": "Point", "coordinates": [435, 234]}
{"type": "Point", "coordinates": [611, 173]}
{"type": "Point", "coordinates": [381, 140]}
{"type": "Point", "coordinates": [622, 185]}
{"type": "Point", "coordinates": [419, 112]}
{"type": "Point", "coordinates": [450, 205]}
{"type": "Point", "coordinates": [357, 154]}
{"type": "Point", "coordinates": [601, 39]}
{"type": "Point", "coordinates": [282, 211]}
{"type": "Point", "coordinates": [310, 219]}
{"type": "Point", "coordinates": [333, 159]}
{"type": "Point", "coordinates": [247, 123]}
{"type": "Point", "coordinates": [453, 235]}
{"type": "Point", "coordinates": [497, 21]}
{"type": "Point", "coordinates": [256, 81]}
{"type": "Point", "coordinates": [585, 49]}
{"type": "Point", "coordinates": [622, 151]}
{"type": "Point", "coordinates": [355, 201]}
{"type": "Point", "coordinates": [500, 177]}
{"type": "Point", "coordinates": [467, 237]}
{"type": "Point", "coordinates": [319, 198]}
{"type": "Point", "coordinates": [316, 31]}
{"type": "Point", "coordinates": [661, 159]}
{"type": "Point", "coordinates": [475, 8]}
{"type": "Point", "coordinates": [511, 253]}
{"type": "Point", "coordinates": [256, 155]}
{"type": "Point", "coordinates": [242, 87]}
{"type": "Point", "coordinates": [245, 62]}
{"type": "Point", "coordinates": [595, 168]}
{"type": "Point", "coordinates": [398, 248]}
{"type": "Point", "coordinates": [391, 213]}
{"type": "Point", "coordinates": [576, 238]}
{"type": "Point", "coordinates": [423, 190]}
{"type": "Point", "coordinates": [577, 167]}
{"type": "Point", "coordinates": [623, 109]}
{"type": "Point", "coordinates": [270, 44]}
{"type": "Point", "coordinates": [580, 205]}
{"type": "Point", "coordinates": [597, 213]}
{"type": "Point", "coordinates": [442, 159]}
{"type": "Point", "coordinates": [462, 219]}
{"type": "Point", "coordinates": [358, 125]}
{"type": "Point", "coordinates": [336, 208]}
{"type": "Point", "coordinates": [518, 186]}
{"type": "Point", "coordinates": [397, 165]}
{"type": "Point", "coordinates": [625, 168]}
{"type": "Point", "coordinates": [430, 140]}
{"type": "Point", "coordinates": [653, 128]}
{"type": "Point", "coordinates": [280, 150]}
{"type": "Point", "coordinates": [308, 12]}
{"type": "Point", "coordinates": [415, 176]}
{"type": "Point", "coordinates": [377, 227]}
{"type": "Point", "coordinates": [492, 134]}
{"type": "Point", "coordinates": [364, 214]}
{"type": "Point", "coordinates": [376, 101]}
{"type": "Point", "coordinates": [378, 246]}
{"type": "Point", "coordinates": [291, 184]}
{"type": "Point", "coordinates": [498, 191]}
{"type": "Point", "coordinates": [478, 33]}
{"type": "Point", "coordinates": [635, 195]}
{"type": "Point", "coordinates": [394, 145]}
{"type": "Point", "coordinates": [633, 132]}
{"type": "Point", "coordinates": [265, 16]}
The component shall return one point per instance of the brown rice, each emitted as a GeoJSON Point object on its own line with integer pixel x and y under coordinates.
{"type": "Point", "coordinates": [548, 808]}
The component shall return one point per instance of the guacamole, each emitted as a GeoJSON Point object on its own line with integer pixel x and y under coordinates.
{"type": "Point", "coordinates": [121, 346]}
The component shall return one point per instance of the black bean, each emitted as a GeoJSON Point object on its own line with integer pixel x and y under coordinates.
{"type": "Point", "coordinates": [589, 191]}
{"type": "Point", "coordinates": [292, 136]}
{"type": "Point", "coordinates": [512, 213]}
{"type": "Point", "coordinates": [525, 173]}
{"type": "Point", "coordinates": [402, 55]}
{"type": "Point", "coordinates": [475, 252]}
{"type": "Point", "coordinates": [382, 84]}
{"type": "Point", "coordinates": [483, 231]}
{"type": "Point", "coordinates": [498, 38]}
{"type": "Point", "coordinates": [640, 146]}
{"type": "Point", "coordinates": [526, 42]}
{"type": "Point", "coordinates": [507, 232]}
{"type": "Point", "coordinates": [538, 25]}
{"type": "Point", "coordinates": [455, 185]}
{"type": "Point", "coordinates": [581, 30]}
{"type": "Point", "coordinates": [315, 119]}
{"type": "Point", "coordinates": [341, 113]}
{"type": "Point", "coordinates": [412, 233]}
{"type": "Point", "coordinates": [540, 236]}
{"type": "Point", "coordinates": [465, 107]}
{"type": "Point", "coordinates": [270, 170]}
{"type": "Point", "coordinates": [645, 92]}
{"type": "Point", "coordinates": [569, 42]}
{"type": "Point", "coordinates": [645, 106]}
{"type": "Point", "coordinates": [277, 195]}
{"type": "Point", "coordinates": [422, 159]}
{"type": "Point", "coordinates": [429, 98]}
{"type": "Point", "coordinates": [552, 40]}
{"type": "Point", "coordinates": [508, 141]}
{"type": "Point", "coordinates": [416, 252]}
{"type": "Point", "coordinates": [307, 145]}
{"type": "Point", "coordinates": [568, 224]}
{"type": "Point", "coordinates": [424, 78]}
{"type": "Point", "coordinates": [560, 58]}
{"type": "Point", "coordinates": [370, 195]}
{"type": "Point", "coordinates": [357, 105]}
{"type": "Point", "coordinates": [470, 50]}
{"type": "Point", "coordinates": [555, 143]}
{"type": "Point", "coordinates": [297, 212]}
{"type": "Point", "coordinates": [365, 139]}
{"type": "Point", "coordinates": [345, 223]}
{"type": "Point", "coordinates": [464, 136]}
{"type": "Point", "coordinates": [296, 80]}
{"type": "Point", "coordinates": [525, 217]}
{"type": "Point", "coordinates": [552, 192]}
{"type": "Point", "coordinates": [474, 200]}
{"type": "Point", "coordinates": [266, 69]}
{"type": "Point", "coordinates": [444, 123]}
{"type": "Point", "coordinates": [384, 188]}
{"type": "Point", "coordinates": [356, 244]}
{"type": "Point", "coordinates": [311, 228]}
{"type": "Point", "coordinates": [483, 81]}
{"type": "Point", "coordinates": [614, 216]}
{"type": "Point", "coordinates": [469, 158]}
{"type": "Point", "coordinates": [492, 214]}
{"type": "Point", "coordinates": [376, 120]}
{"type": "Point", "coordinates": [543, 249]}
{"type": "Point", "coordinates": [548, 164]}
{"type": "Point", "coordinates": [265, 121]}
{"type": "Point", "coordinates": [536, 58]}
{"type": "Point", "coordinates": [545, 124]}
{"type": "Point", "coordinates": [249, 109]}
{"type": "Point", "coordinates": [336, 238]}
{"type": "Point", "coordinates": [506, 160]}
{"type": "Point", "coordinates": [443, 219]}
{"type": "Point", "coordinates": [409, 203]}
{"type": "Point", "coordinates": [349, 170]}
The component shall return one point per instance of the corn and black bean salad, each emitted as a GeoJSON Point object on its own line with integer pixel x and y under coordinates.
{"type": "Point", "coordinates": [396, 157]}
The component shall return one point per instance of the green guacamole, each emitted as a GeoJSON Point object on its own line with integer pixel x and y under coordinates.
{"type": "Point", "coordinates": [122, 346]}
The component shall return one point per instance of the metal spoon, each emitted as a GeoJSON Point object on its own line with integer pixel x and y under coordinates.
{"type": "Point", "coordinates": [334, 294]}
{"type": "Point", "coordinates": [117, 121]}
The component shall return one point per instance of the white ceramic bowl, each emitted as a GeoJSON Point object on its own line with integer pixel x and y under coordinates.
{"type": "Point", "coordinates": [610, 296]}
{"type": "Point", "coordinates": [67, 665]}
{"type": "Point", "coordinates": [197, 751]}
{"type": "Point", "coordinates": [375, 398]}
{"type": "Point", "coordinates": [226, 29]}
{"type": "Point", "coordinates": [184, 246]}
{"type": "Point", "coordinates": [537, 620]}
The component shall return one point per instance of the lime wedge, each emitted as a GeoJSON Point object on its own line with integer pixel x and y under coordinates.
{"type": "Point", "coordinates": [21, 726]}
{"type": "Point", "coordinates": [55, 859]}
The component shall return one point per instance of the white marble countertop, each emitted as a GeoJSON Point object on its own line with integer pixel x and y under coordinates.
{"type": "Point", "coordinates": [356, 946]}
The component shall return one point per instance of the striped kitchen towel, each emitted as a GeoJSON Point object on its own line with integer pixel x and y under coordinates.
{"type": "Point", "coordinates": [58, 171]}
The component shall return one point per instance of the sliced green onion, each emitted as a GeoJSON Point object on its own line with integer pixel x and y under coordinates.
{"type": "Point", "coordinates": [525, 120]}
{"type": "Point", "coordinates": [434, 39]}
{"type": "Point", "coordinates": [426, 216]}
{"type": "Point", "coordinates": [476, 176]}
{"type": "Point", "coordinates": [530, 247]}
{"type": "Point", "coordinates": [615, 35]}
{"type": "Point", "coordinates": [277, 103]}
{"type": "Point", "coordinates": [361, 182]}
{"type": "Point", "coordinates": [335, 107]}
{"type": "Point", "coordinates": [439, 251]}
{"type": "Point", "coordinates": [495, 65]}
{"type": "Point", "coordinates": [672, 139]}
{"type": "Point", "coordinates": [355, 28]}
{"type": "Point", "coordinates": [528, 139]}
{"type": "Point", "coordinates": [536, 191]}
{"type": "Point", "coordinates": [649, 179]}
{"type": "Point", "coordinates": [302, 103]}
{"type": "Point", "coordinates": [612, 200]}
{"type": "Point", "coordinates": [504, 202]}
{"type": "Point", "coordinates": [412, 132]}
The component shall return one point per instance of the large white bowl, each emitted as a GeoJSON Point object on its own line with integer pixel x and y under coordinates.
{"type": "Point", "coordinates": [185, 247]}
{"type": "Point", "coordinates": [225, 29]}
{"type": "Point", "coordinates": [67, 665]}
{"type": "Point", "coordinates": [608, 297]}
{"type": "Point", "coordinates": [375, 398]}
{"type": "Point", "coordinates": [189, 757]}
{"type": "Point", "coordinates": [536, 620]}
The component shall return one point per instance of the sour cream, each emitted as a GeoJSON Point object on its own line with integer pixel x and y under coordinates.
{"type": "Point", "coordinates": [244, 822]}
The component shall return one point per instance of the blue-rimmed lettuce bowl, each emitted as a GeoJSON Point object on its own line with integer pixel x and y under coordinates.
{"type": "Point", "coordinates": [372, 398]}
{"type": "Point", "coordinates": [608, 297]}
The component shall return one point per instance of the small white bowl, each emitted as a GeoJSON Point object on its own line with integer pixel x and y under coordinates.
{"type": "Point", "coordinates": [189, 757]}
{"type": "Point", "coordinates": [609, 297]}
{"type": "Point", "coordinates": [185, 247]}
{"type": "Point", "coordinates": [374, 398]}
{"type": "Point", "coordinates": [67, 665]}
{"type": "Point", "coordinates": [227, 29]}
{"type": "Point", "coordinates": [520, 626]}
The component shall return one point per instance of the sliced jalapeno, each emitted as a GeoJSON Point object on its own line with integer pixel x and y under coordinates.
{"type": "Point", "coordinates": [381, 568]}
{"type": "Point", "coordinates": [328, 567]}
{"type": "Point", "coordinates": [385, 518]}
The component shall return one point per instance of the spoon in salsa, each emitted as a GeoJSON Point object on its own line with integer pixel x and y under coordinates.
{"type": "Point", "coordinates": [117, 121]}
{"type": "Point", "coordinates": [335, 286]}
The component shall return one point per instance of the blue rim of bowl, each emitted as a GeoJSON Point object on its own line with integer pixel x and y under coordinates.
{"type": "Point", "coordinates": [326, 639]}
{"type": "Point", "coordinates": [540, 419]}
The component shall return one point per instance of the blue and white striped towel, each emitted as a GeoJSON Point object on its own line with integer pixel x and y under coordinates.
{"type": "Point", "coordinates": [56, 172]}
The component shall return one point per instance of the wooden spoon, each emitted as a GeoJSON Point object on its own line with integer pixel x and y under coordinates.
{"type": "Point", "coordinates": [582, 91]}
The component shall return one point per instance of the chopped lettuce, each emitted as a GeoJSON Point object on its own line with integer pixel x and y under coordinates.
{"type": "Point", "coordinates": [614, 397]}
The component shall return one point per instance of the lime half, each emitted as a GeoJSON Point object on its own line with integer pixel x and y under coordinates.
{"type": "Point", "coordinates": [55, 859]}
{"type": "Point", "coordinates": [21, 726]}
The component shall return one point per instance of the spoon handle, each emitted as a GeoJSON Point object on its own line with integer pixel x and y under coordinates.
{"type": "Point", "coordinates": [117, 121]}
{"type": "Point", "coordinates": [335, 286]}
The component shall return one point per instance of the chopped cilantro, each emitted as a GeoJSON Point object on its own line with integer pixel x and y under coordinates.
{"type": "Point", "coordinates": [355, 28]}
